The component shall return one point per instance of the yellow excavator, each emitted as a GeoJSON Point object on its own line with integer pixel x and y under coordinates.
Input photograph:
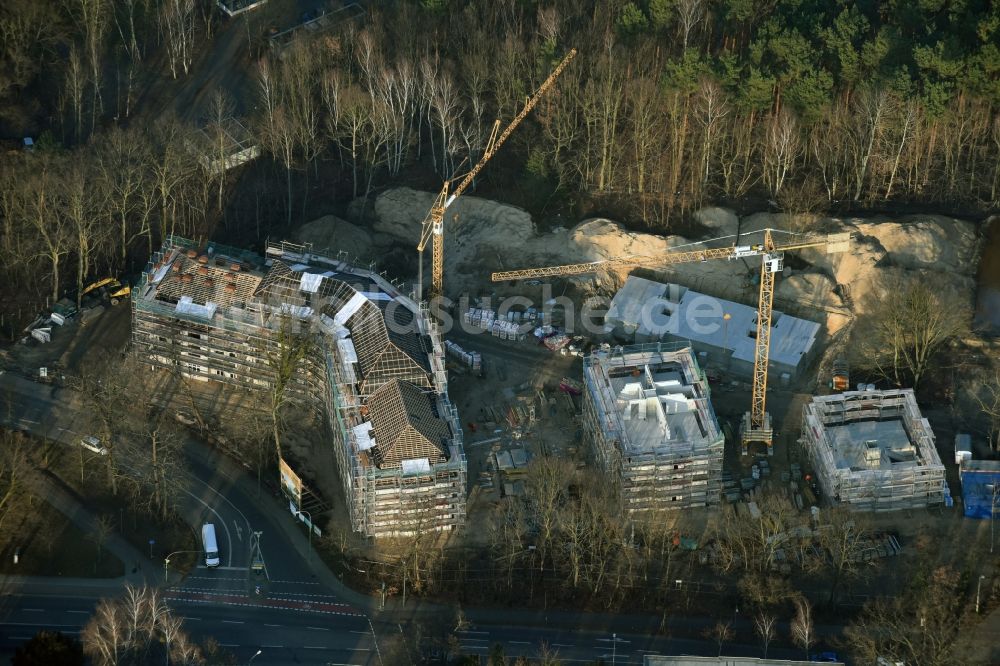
{"type": "Point", "coordinates": [109, 288]}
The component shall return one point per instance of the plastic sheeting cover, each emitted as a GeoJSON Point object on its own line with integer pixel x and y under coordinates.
{"type": "Point", "coordinates": [416, 466]}
{"type": "Point", "coordinates": [186, 306]}
{"type": "Point", "coordinates": [345, 313]}
{"type": "Point", "coordinates": [364, 435]}
{"type": "Point", "coordinates": [310, 282]}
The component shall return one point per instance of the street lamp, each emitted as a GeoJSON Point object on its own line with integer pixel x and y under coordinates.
{"type": "Point", "coordinates": [725, 331]}
{"type": "Point", "coordinates": [253, 657]}
{"type": "Point", "coordinates": [298, 513]}
{"type": "Point", "coordinates": [979, 587]}
{"type": "Point", "coordinates": [166, 561]}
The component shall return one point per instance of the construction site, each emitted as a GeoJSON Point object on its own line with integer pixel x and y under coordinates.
{"type": "Point", "coordinates": [340, 340]}
{"type": "Point", "coordinates": [650, 423]}
{"type": "Point", "coordinates": [873, 450]}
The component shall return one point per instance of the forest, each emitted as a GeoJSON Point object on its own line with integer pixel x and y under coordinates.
{"type": "Point", "coordinates": [796, 105]}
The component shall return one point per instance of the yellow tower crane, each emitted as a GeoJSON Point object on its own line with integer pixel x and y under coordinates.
{"type": "Point", "coordinates": [433, 225]}
{"type": "Point", "coordinates": [756, 425]}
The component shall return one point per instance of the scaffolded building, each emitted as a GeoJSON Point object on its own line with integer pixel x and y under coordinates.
{"type": "Point", "coordinates": [652, 428]}
{"type": "Point", "coordinates": [366, 358]}
{"type": "Point", "coordinates": [872, 450]}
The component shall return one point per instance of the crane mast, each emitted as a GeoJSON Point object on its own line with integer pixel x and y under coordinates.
{"type": "Point", "coordinates": [756, 426]}
{"type": "Point", "coordinates": [433, 225]}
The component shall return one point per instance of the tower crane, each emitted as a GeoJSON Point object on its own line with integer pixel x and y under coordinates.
{"type": "Point", "coordinates": [433, 225]}
{"type": "Point", "coordinates": [756, 424]}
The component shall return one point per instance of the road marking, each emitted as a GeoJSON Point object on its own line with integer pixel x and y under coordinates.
{"type": "Point", "coordinates": [318, 628]}
{"type": "Point", "coordinates": [296, 582]}
{"type": "Point", "coordinates": [232, 622]}
{"type": "Point", "coordinates": [273, 647]}
{"type": "Point", "coordinates": [234, 580]}
{"type": "Point", "coordinates": [34, 610]}
{"type": "Point", "coordinates": [360, 632]}
{"type": "Point", "coordinates": [192, 619]}
{"type": "Point", "coordinates": [239, 530]}
{"type": "Point", "coordinates": [229, 644]}
{"type": "Point", "coordinates": [315, 647]}
{"type": "Point", "coordinates": [21, 638]}
{"type": "Point", "coordinates": [519, 642]}
{"type": "Point", "coordinates": [272, 625]}
{"type": "Point", "coordinates": [79, 612]}
{"type": "Point", "coordinates": [229, 537]}
{"type": "Point", "coordinates": [561, 645]}
{"type": "Point", "coordinates": [35, 624]}
{"type": "Point", "coordinates": [202, 566]}
{"type": "Point", "coordinates": [475, 640]}
{"type": "Point", "coordinates": [466, 631]}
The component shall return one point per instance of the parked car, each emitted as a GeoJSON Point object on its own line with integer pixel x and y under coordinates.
{"type": "Point", "coordinates": [91, 443]}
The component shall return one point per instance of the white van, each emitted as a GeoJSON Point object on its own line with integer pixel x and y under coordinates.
{"type": "Point", "coordinates": [211, 547]}
{"type": "Point", "coordinates": [91, 443]}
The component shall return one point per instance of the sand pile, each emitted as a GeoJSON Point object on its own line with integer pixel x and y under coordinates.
{"type": "Point", "coordinates": [484, 236]}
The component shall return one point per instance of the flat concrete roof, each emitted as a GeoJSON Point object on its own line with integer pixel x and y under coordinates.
{"type": "Point", "coordinates": [850, 445]}
{"type": "Point", "coordinates": [656, 412]}
{"type": "Point", "coordinates": [656, 309]}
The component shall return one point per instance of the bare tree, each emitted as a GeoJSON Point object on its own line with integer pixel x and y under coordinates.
{"type": "Point", "coordinates": [721, 632]}
{"type": "Point", "coordinates": [286, 355]}
{"type": "Point", "coordinates": [178, 24]}
{"type": "Point", "coordinates": [912, 323]}
{"type": "Point", "coordinates": [802, 629]}
{"type": "Point", "coordinates": [712, 107]}
{"type": "Point", "coordinates": [841, 536]}
{"type": "Point", "coordinates": [138, 628]}
{"type": "Point", "coordinates": [988, 398]}
{"type": "Point", "coordinates": [220, 114]}
{"type": "Point", "coordinates": [103, 528]}
{"type": "Point", "coordinates": [764, 624]}
{"type": "Point", "coordinates": [918, 627]}
{"type": "Point", "coordinates": [74, 87]}
{"type": "Point", "coordinates": [689, 15]}
{"type": "Point", "coordinates": [13, 469]}
{"type": "Point", "coordinates": [781, 149]}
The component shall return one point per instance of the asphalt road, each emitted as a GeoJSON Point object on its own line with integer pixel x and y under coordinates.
{"type": "Point", "coordinates": [284, 636]}
{"type": "Point", "coordinates": [302, 614]}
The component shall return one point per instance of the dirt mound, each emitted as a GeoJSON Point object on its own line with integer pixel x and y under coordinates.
{"type": "Point", "coordinates": [484, 236]}
{"type": "Point", "coordinates": [330, 233]}
{"type": "Point", "coordinates": [400, 212]}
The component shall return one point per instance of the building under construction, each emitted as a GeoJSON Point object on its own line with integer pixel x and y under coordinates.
{"type": "Point", "coordinates": [872, 450]}
{"type": "Point", "coordinates": [652, 427]}
{"type": "Point", "coordinates": [343, 341]}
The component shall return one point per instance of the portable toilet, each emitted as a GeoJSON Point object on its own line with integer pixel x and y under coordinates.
{"type": "Point", "coordinates": [963, 448]}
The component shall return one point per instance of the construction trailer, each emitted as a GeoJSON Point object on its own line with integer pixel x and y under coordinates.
{"type": "Point", "coordinates": [872, 450]}
{"type": "Point", "coordinates": [651, 427]}
{"type": "Point", "coordinates": [367, 360]}
{"type": "Point", "coordinates": [981, 488]}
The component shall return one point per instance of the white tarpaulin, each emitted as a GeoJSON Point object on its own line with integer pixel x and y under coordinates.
{"type": "Point", "coordinates": [348, 357]}
{"type": "Point", "coordinates": [310, 282]}
{"type": "Point", "coordinates": [186, 306]}
{"type": "Point", "coordinates": [364, 436]}
{"type": "Point", "coordinates": [333, 328]}
{"type": "Point", "coordinates": [416, 466]}
{"type": "Point", "coordinates": [357, 300]}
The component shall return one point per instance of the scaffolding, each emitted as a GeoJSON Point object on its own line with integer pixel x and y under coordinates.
{"type": "Point", "coordinates": [651, 426]}
{"type": "Point", "coordinates": [215, 313]}
{"type": "Point", "coordinates": [873, 451]}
